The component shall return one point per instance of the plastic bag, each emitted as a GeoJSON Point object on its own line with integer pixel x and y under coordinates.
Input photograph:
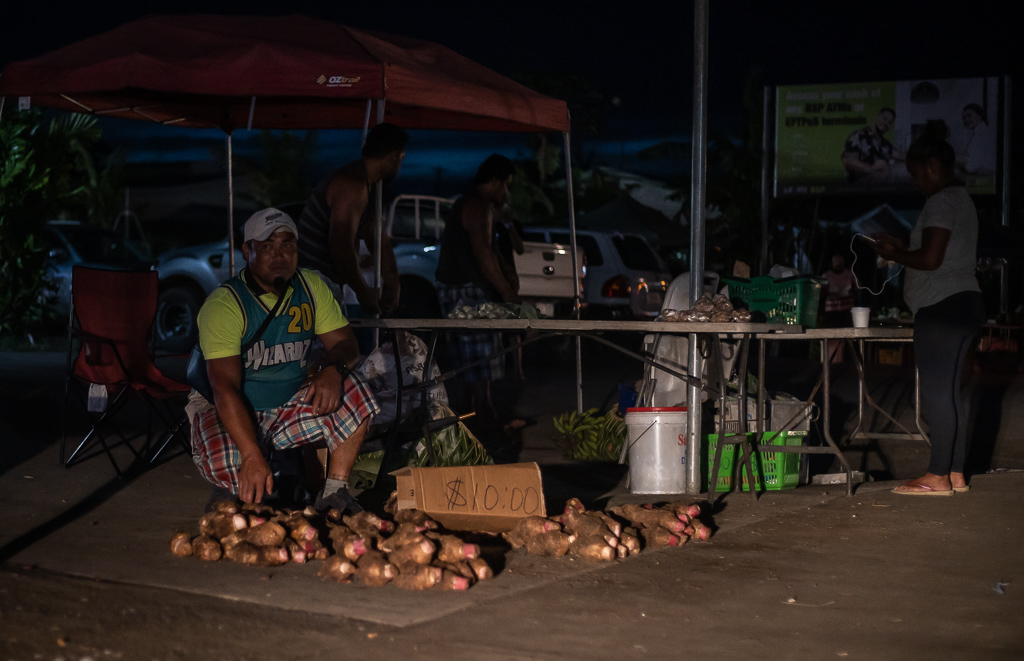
{"type": "Point", "coordinates": [379, 370]}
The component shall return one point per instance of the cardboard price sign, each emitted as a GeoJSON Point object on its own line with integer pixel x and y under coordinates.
{"type": "Point", "coordinates": [488, 498]}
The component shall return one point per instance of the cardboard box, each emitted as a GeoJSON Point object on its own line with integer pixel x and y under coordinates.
{"type": "Point", "coordinates": [890, 356]}
{"type": "Point", "coordinates": [486, 498]}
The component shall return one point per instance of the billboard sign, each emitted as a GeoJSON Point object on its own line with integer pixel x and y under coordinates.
{"type": "Point", "coordinates": [852, 138]}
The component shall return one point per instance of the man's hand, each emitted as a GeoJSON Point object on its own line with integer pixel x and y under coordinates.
{"type": "Point", "coordinates": [324, 392]}
{"type": "Point", "coordinates": [368, 300]}
{"type": "Point", "coordinates": [880, 165]}
{"type": "Point", "coordinates": [512, 297]}
{"type": "Point", "coordinates": [254, 478]}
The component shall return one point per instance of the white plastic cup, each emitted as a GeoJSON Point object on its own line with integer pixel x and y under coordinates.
{"type": "Point", "coordinates": [861, 317]}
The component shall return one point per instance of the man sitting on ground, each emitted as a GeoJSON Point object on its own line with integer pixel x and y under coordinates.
{"type": "Point", "coordinates": [270, 398]}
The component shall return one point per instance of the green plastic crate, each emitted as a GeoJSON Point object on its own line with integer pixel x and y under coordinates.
{"type": "Point", "coordinates": [773, 471]}
{"type": "Point", "coordinates": [784, 301]}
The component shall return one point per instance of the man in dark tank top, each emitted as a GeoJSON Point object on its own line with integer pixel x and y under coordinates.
{"type": "Point", "coordinates": [469, 273]}
{"type": "Point", "coordinates": [336, 217]}
{"type": "Point", "coordinates": [469, 255]}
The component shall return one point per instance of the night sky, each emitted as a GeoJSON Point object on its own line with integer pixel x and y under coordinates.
{"type": "Point", "coordinates": [640, 53]}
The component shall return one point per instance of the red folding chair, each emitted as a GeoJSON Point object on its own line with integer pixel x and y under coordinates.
{"type": "Point", "coordinates": [109, 332]}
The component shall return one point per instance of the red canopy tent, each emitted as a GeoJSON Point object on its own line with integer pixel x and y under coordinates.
{"type": "Point", "coordinates": [290, 72]}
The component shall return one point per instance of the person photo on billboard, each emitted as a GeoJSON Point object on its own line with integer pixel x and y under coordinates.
{"type": "Point", "coordinates": [867, 152]}
{"type": "Point", "coordinates": [980, 156]}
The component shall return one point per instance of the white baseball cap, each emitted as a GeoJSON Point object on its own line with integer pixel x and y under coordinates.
{"type": "Point", "coordinates": [265, 222]}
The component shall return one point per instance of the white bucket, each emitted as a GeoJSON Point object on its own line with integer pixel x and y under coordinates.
{"type": "Point", "coordinates": [656, 438]}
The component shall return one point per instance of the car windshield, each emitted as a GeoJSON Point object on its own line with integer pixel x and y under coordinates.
{"type": "Point", "coordinates": [635, 253]}
{"type": "Point", "coordinates": [431, 218]}
{"type": "Point", "coordinates": [102, 246]}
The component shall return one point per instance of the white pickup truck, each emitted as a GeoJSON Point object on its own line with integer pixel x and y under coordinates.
{"type": "Point", "coordinates": [415, 224]}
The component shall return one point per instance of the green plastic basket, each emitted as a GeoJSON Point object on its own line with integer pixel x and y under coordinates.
{"type": "Point", "coordinates": [773, 471]}
{"type": "Point", "coordinates": [784, 301]}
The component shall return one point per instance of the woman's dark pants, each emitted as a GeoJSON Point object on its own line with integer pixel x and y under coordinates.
{"type": "Point", "coordinates": [942, 335]}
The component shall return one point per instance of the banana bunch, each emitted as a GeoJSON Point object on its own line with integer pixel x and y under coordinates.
{"type": "Point", "coordinates": [589, 436]}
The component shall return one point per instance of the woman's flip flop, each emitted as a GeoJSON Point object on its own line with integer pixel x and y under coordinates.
{"type": "Point", "coordinates": [922, 490]}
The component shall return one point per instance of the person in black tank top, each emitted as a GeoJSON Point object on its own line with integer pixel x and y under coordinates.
{"type": "Point", "coordinates": [336, 217]}
{"type": "Point", "coordinates": [468, 251]}
{"type": "Point", "coordinates": [469, 271]}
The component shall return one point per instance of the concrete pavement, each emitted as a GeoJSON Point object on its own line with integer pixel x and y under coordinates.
{"type": "Point", "coordinates": [808, 574]}
{"type": "Point", "coordinates": [801, 574]}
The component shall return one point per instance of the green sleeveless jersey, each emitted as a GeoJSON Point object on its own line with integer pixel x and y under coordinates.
{"type": "Point", "coordinates": [275, 367]}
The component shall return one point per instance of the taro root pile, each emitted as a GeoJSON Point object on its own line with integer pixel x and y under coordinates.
{"type": "Point", "coordinates": [715, 309]}
{"type": "Point", "coordinates": [622, 532]}
{"type": "Point", "coordinates": [412, 551]}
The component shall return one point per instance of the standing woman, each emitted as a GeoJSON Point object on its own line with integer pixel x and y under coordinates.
{"type": "Point", "coordinates": [942, 292]}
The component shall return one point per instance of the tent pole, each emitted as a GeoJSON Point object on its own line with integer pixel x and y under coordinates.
{"type": "Point", "coordinates": [765, 165]}
{"type": "Point", "coordinates": [1004, 274]}
{"type": "Point", "coordinates": [231, 212]}
{"type": "Point", "coordinates": [575, 272]}
{"type": "Point", "coordinates": [697, 212]}
{"type": "Point", "coordinates": [1, 107]}
{"type": "Point", "coordinates": [252, 111]}
{"type": "Point", "coordinates": [366, 121]}
{"type": "Point", "coordinates": [378, 220]}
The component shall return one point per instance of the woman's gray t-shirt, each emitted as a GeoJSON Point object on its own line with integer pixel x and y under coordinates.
{"type": "Point", "coordinates": [951, 209]}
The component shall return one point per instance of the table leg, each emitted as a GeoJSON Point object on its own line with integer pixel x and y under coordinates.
{"type": "Point", "coordinates": [724, 438]}
{"type": "Point", "coordinates": [864, 397]}
{"type": "Point", "coordinates": [390, 442]}
{"type": "Point", "coordinates": [826, 359]}
{"type": "Point", "coordinates": [428, 436]}
{"type": "Point", "coordinates": [762, 393]}
{"type": "Point", "coordinates": [694, 416]}
{"type": "Point", "coordinates": [717, 462]}
{"type": "Point", "coordinates": [426, 369]}
{"type": "Point", "coordinates": [741, 380]}
{"type": "Point", "coordinates": [579, 374]}
{"type": "Point", "coordinates": [857, 353]}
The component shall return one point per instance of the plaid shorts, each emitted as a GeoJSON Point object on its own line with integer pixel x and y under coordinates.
{"type": "Point", "coordinates": [470, 347]}
{"type": "Point", "coordinates": [287, 426]}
